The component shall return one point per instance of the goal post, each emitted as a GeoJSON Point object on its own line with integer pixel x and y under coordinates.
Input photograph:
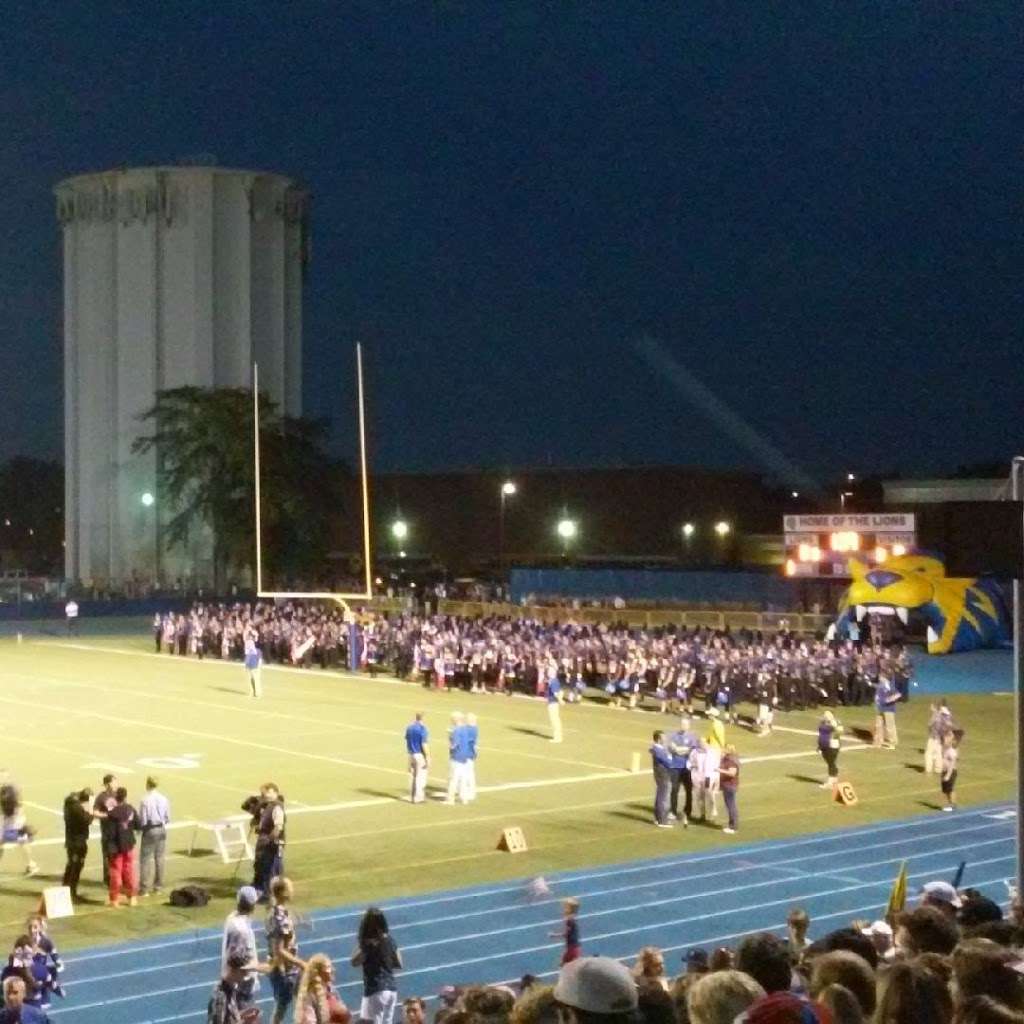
{"type": "Point", "coordinates": [341, 598]}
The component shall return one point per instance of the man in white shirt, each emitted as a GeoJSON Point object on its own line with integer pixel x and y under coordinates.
{"type": "Point", "coordinates": [71, 614]}
{"type": "Point", "coordinates": [240, 939]}
{"type": "Point", "coordinates": [154, 817]}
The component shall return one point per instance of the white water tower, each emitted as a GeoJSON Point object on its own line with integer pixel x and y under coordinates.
{"type": "Point", "coordinates": [173, 276]}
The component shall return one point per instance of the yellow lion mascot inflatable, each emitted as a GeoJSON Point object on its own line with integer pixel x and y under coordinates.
{"type": "Point", "coordinates": [959, 614]}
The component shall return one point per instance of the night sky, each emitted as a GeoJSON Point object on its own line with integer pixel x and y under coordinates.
{"type": "Point", "coordinates": [813, 208]}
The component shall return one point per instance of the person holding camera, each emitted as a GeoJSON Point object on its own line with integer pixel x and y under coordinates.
{"type": "Point", "coordinates": [269, 823]}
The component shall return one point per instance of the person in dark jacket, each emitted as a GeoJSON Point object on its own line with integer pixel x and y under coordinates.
{"type": "Point", "coordinates": [379, 958]}
{"type": "Point", "coordinates": [77, 820]}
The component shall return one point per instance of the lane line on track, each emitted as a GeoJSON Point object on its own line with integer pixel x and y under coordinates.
{"type": "Point", "coordinates": [744, 867]}
{"type": "Point", "coordinates": [627, 868]}
{"type": "Point", "coordinates": [802, 898]}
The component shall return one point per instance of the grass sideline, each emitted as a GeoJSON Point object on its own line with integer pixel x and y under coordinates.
{"type": "Point", "coordinates": [332, 741]}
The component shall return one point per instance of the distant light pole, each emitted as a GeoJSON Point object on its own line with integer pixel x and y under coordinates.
{"type": "Point", "coordinates": [147, 501]}
{"type": "Point", "coordinates": [399, 532]}
{"type": "Point", "coordinates": [722, 528]}
{"type": "Point", "coordinates": [508, 489]}
{"type": "Point", "coordinates": [687, 530]}
{"type": "Point", "coordinates": [567, 531]}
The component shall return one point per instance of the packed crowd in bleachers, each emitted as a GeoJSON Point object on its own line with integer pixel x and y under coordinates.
{"type": "Point", "coordinates": [950, 958]}
{"type": "Point", "coordinates": [670, 666]}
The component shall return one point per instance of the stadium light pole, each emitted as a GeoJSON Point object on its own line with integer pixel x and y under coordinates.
{"type": "Point", "coordinates": [399, 534]}
{"type": "Point", "coordinates": [567, 530]}
{"type": "Point", "coordinates": [147, 501]}
{"type": "Point", "coordinates": [1017, 493]}
{"type": "Point", "coordinates": [686, 531]}
{"type": "Point", "coordinates": [508, 490]}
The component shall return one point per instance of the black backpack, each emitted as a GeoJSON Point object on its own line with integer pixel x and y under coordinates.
{"type": "Point", "coordinates": [190, 896]}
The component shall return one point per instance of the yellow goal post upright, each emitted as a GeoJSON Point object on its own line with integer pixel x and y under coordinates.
{"type": "Point", "coordinates": [341, 598]}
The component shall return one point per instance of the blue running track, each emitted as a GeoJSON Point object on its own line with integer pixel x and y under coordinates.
{"type": "Point", "coordinates": [495, 933]}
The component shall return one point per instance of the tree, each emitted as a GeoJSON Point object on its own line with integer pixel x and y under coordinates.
{"type": "Point", "coordinates": [203, 442]}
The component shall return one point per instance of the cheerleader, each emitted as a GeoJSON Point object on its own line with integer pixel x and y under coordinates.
{"type": "Point", "coordinates": [44, 953]}
{"type": "Point", "coordinates": [15, 829]}
{"type": "Point", "coordinates": [24, 964]}
{"type": "Point", "coordinates": [253, 661]}
{"type": "Point", "coordinates": [829, 731]}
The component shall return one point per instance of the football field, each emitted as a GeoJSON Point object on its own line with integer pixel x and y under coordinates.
{"type": "Point", "coordinates": [75, 708]}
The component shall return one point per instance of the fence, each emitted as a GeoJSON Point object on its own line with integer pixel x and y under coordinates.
{"type": "Point", "coordinates": [766, 622]}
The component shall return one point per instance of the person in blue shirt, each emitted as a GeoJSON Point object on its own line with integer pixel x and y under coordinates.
{"type": "Point", "coordinates": [553, 694]}
{"type": "Point", "coordinates": [886, 699]}
{"type": "Point", "coordinates": [416, 737]}
{"type": "Point", "coordinates": [472, 738]}
{"type": "Point", "coordinates": [680, 744]}
{"type": "Point", "coordinates": [458, 756]}
{"type": "Point", "coordinates": [661, 763]}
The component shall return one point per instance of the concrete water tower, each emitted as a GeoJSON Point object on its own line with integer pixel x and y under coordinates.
{"type": "Point", "coordinates": [173, 276]}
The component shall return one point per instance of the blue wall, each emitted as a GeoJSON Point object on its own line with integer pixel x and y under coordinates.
{"type": "Point", "coordinates": [698, 587]}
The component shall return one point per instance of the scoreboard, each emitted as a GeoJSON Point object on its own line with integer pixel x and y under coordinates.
{"type": "Point", "coordinates": [821, 545]}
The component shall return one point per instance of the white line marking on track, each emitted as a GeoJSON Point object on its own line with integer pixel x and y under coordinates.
{"type": "Point", "coordinates": [744, 866]}
{"type": "Point", "coordinates": [802, 898]}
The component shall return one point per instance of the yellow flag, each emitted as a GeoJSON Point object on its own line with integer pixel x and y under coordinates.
{"type": "Point", "coordinates": [898, 896]}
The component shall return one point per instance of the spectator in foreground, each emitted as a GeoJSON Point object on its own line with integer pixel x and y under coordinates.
{"type": "Point", "coordinates": [654, 1004]}
{"type": "Point", "coordinates": [842, 1004]}
{"type": "Point", "coordinates": [315, 999]}
{"type": "Point", "coordinates": [650, 965]}
{"type": "Point", "coordinates": [926, 930]}
{"type": "Point", "coordinates": [981, 968]}
{"type": "Point", "coordinates": [719, 998]}
{"type": "Point", "coordinates": [535, 1006]}
{"type": "Point", "coordinates": [224, 1006]}
{"type": "Point", "coordinates": [489, 1003]}
{"type": "Point", "coordinates": [765, 957]}
{"type": "Point", "coordinates": [16, 1010]}
{"type": "Point", "coordinates": [596, 990]}
{"type": "Point", "coordinates": [797, 926]}
{"type": "Point", "coordinates": [282, 948]}
{"type": "Point", "coordinates": [414, 1011]}
{"type": "Point", "coordinates": [985, 1010]}
{"type": "Point", "coordinates": [379, 958]}
{"type": "Point", "coordinates": [910, 994]}
{"type": "Point", "coordinates": [848, 970]}
{"type": "Point", "coordinates": [239, 938]}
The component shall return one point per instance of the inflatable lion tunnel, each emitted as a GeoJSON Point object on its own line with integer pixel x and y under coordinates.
{"type": "Point", "coordinates": [958, 614]}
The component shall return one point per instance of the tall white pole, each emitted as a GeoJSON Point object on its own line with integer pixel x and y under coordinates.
{"type": "Point", "coordinates": [363, 470]}
{"type": "Point", "coordinates": [256, 467]}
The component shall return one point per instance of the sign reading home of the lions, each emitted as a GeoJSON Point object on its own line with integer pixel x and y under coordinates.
{"type": "Point", "coordinates": [858, 522]}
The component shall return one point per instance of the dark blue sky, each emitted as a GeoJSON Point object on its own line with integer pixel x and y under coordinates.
{"type": "Point", "coordinates": [814, 206]}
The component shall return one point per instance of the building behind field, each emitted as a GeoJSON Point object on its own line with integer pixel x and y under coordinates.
{"type": "Point", "coordinates": [173, 276]}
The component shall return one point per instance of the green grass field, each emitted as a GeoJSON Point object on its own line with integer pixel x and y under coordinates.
{"type": "Point", "coordinates": [333, 743]}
